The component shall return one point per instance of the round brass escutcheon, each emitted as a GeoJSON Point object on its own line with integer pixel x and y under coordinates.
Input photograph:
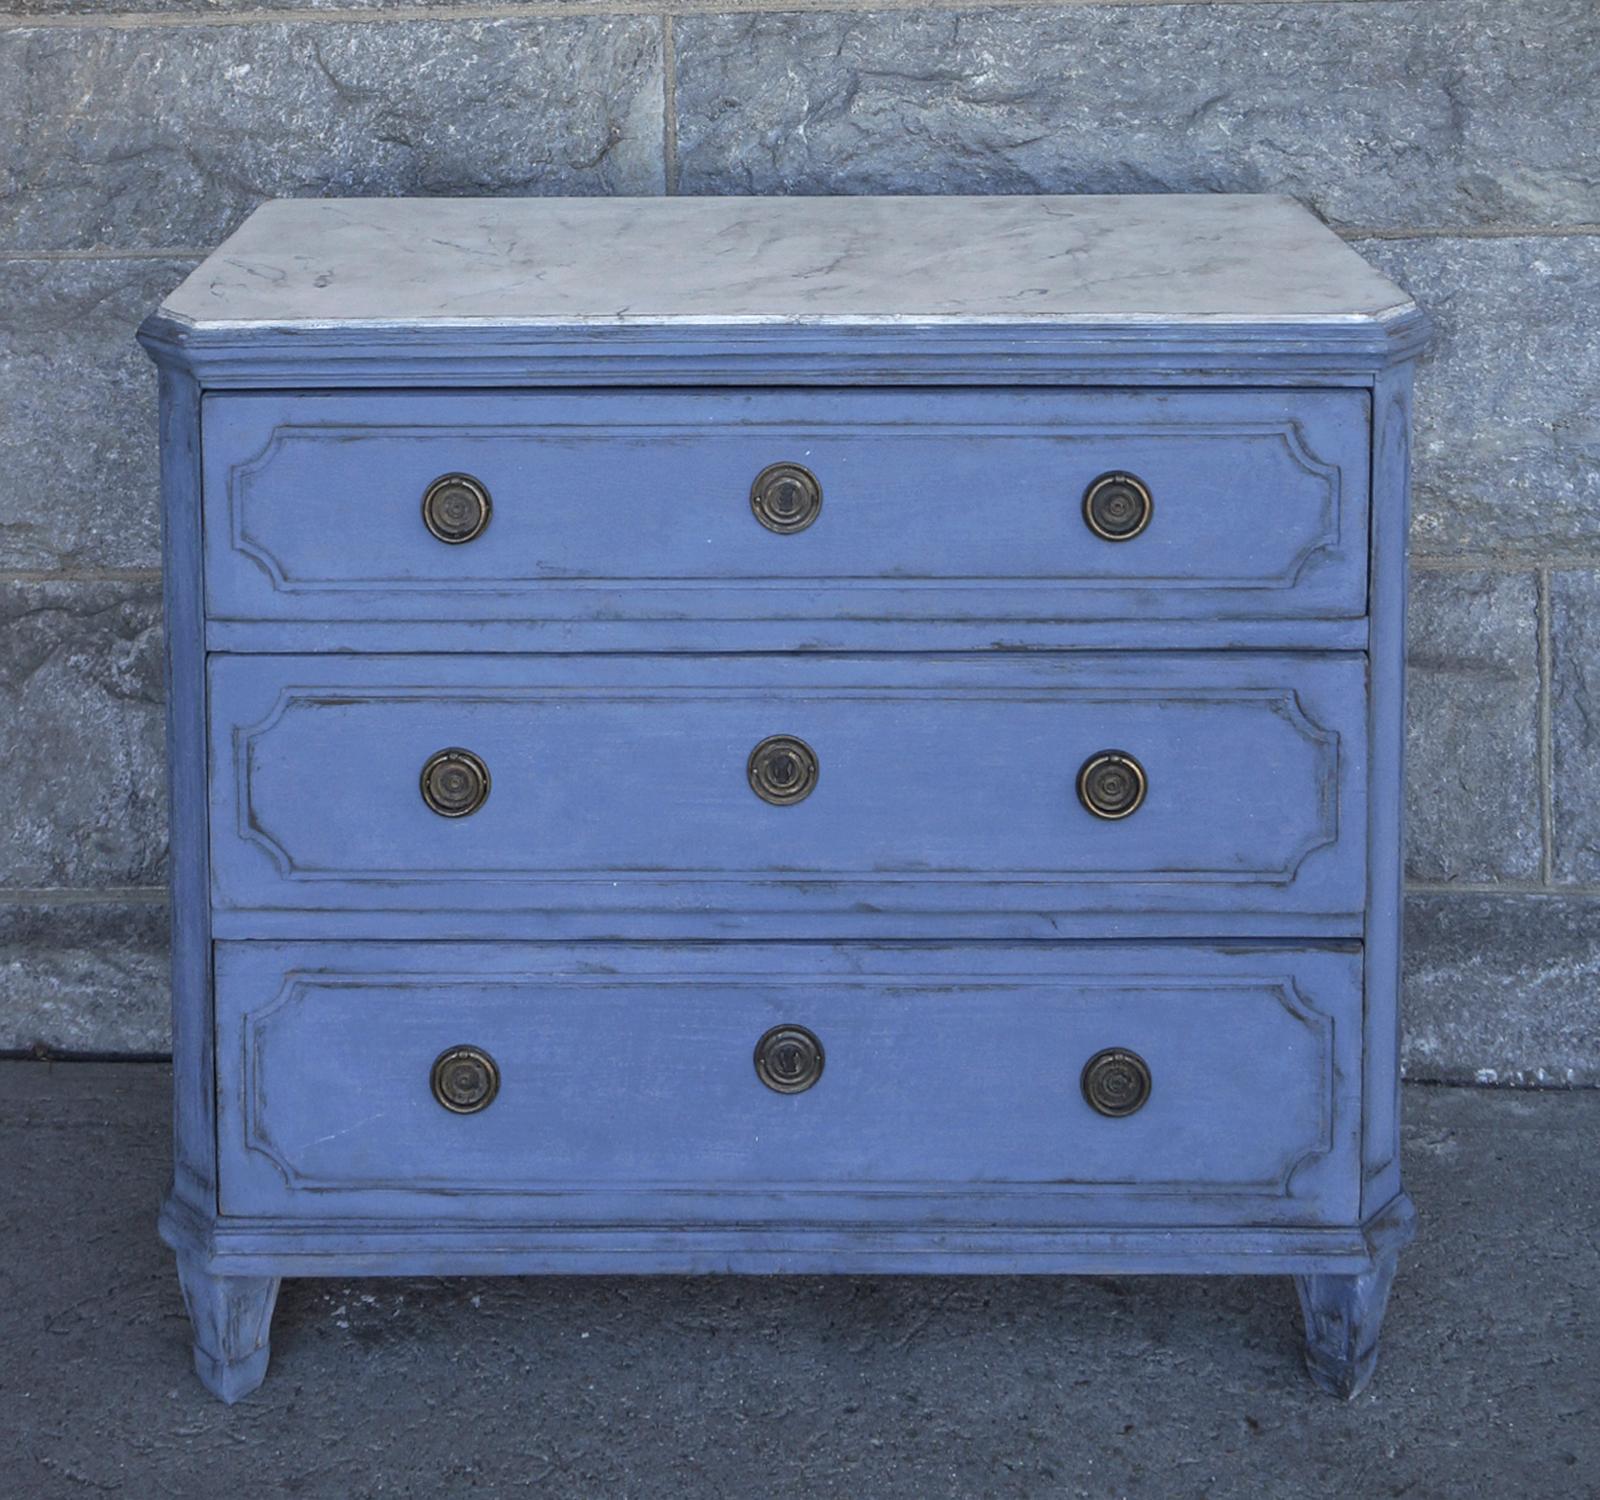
{"type": "Point", "coordinates": [465, 1080]}
{"type": "Point", "coordinates": [782, 770]}
{"type": "Point", "coordinates": [1117, 507]}
{"type": "Point", "coordinates": [456, 508]}
{"type": "Point", "coordinates": [786, 497]}
{"type": "Point", "coordinates": [1111, 784]}
{"type": "Point", "coordinates": [455, 782]}
{"type": "Point", "coordinates": [789, 1059]}
{"type": "Point", "coordinates": [1116, 1082]}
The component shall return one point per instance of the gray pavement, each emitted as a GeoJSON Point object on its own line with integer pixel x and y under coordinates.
{"type": "Point", "coordinates": [862, 1387]}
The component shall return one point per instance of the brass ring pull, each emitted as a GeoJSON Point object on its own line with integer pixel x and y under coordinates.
{"type": "Point", "coordinates": [1117, 507]}
{"type": "Point", "coordinates": [455, 783]}
{"type": "Point", "coordinates": [783, 770]}
{"type": "Point", "coordinates": [1116, 1082]}
{"type": "Point", "coordinates": [786, 497]}
{"type": "Point", "coordinates": [465, 1080]}
{"type": "Point", "coordinates": [1112, 785]}
{"type": "Point", "coordinates": [456, 508]}
{"type": "Point", "coordinates": [789, 1059]}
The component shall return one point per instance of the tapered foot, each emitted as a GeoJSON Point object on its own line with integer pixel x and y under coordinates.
{"type": "Point", "coordinates": [1343, 1314]}
{"type": "Point", "coordinates": [232, 1317]}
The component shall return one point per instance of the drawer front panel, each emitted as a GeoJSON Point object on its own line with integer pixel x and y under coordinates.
{"type": "Point", "coordinates": [950, 1084]}
{"type": "Point", "coordinates": [934, 506]}
{"type": "Point", "coordinates": [629, 784]}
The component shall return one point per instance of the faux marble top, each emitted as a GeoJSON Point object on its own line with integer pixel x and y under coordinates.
{"type": "Point", "coordinates": [552, 262]}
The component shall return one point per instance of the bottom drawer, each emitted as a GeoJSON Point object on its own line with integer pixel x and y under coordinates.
{"type": "Point", "coordinates": [629, 1083]}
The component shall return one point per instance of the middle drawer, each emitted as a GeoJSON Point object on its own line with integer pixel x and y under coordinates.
{"type": "Point", "coordinates": [635, 795]}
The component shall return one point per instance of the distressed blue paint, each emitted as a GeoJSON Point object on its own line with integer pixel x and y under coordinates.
{"type": "Point", "coordinates": [194, 1110]}
{"type": "Point", "coordinates": [1241, 931]}
{"type": "Point", "coordinates": [777, 912]}
{"type": "Point", "coordinates": [946, 784]}
{"type": "Point", "coordinates": [612, 507]}
{"type": "Point", "coordinates": [294, 637]}
{"type": "Point", "coordinates": [1344, 1313]}
{"type": "Point", "coordinates": [950, 1087]}
{"type": "Point", "coordinates": [1210, 352]}
{"type": "Point", "coordinates": [436, 1247]}
{"type": "Point", "coordinates": [232, 1319]}
{"type": "Point", "coordinates": [1391, 483]}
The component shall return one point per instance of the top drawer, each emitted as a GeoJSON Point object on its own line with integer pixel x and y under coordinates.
{"type": "Point", "coordinates": [935, 506]}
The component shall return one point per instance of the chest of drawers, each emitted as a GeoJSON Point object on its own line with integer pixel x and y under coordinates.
{"type": "Point", "coordinates": [851, 735]}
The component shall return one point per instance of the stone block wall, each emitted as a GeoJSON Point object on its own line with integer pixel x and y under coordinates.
{"type": "Point", "coordinates": [1452, 141]}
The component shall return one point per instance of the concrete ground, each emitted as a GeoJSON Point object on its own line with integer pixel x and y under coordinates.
{"type": "Point", "coordinates": [1172, 1387]}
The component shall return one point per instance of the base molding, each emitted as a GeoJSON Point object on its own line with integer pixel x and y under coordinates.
{"type": "Point", "coordinates": [230, 1269]}
{"type": "Point", "coordinates": [263, 1247]}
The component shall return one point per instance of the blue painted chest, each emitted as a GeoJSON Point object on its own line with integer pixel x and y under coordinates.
{"type": "Point", "coordinates": [785, 735]}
